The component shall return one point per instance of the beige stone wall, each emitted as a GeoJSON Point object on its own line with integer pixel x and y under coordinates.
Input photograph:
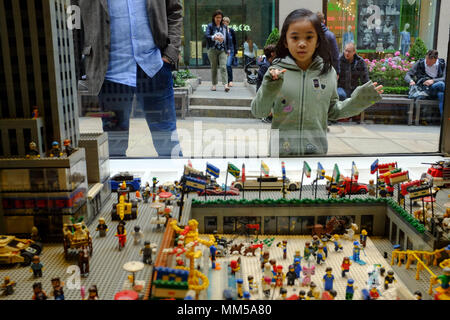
{"type": "Point", "coordinates": [286, 6]}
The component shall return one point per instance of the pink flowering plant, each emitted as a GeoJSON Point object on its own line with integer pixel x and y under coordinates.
{"type": "Point", "coordinates": [389, 72]}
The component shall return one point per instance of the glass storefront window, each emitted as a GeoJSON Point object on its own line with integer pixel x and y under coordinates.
{"type": "Point", "coordinates": [255, 18]}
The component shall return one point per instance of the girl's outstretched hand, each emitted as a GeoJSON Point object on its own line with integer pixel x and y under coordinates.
{"type": "Point", "coordinates": [275, 73]}
{"type": "Point", "coordinates": [379, 88]}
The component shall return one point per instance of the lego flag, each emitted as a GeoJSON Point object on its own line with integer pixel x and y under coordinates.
{"type": "Point", "coordinates": [307, 169]}
{"type": "Point", "coordinates": [355, 172]}
{"type": "Point", "coordinates": [195, 184]}
{"type": "Point", "coordinates": [243, 173]}
{"type": "Point", "coordinates": [212, 170]}
{"type": "Point", "coordinates": [374, 167]}
{"type": "Point", "coordinates": [264, 168]}
{"type": "Point", "coordinates": [320, 171]}
{"type": "Point", "coordinates": [189, 163]}
{"type": "Point", "coordinates": [233, 170]}
{"type": "Point", "coordinates": [336, 173]}
{"type": "Point", "coordinates": [283, 170]}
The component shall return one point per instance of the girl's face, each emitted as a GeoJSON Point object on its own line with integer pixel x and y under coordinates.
{"type": "Point", "coordinates": [218, 19]}
{"type": "Point", "coordinates": [302, 42]}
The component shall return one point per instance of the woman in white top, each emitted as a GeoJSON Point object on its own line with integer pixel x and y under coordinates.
{"type": "Point", "coordinates": [250, 50]}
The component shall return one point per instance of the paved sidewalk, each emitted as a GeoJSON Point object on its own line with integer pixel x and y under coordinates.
{"type": "Point", "coordinates": [343, 139]}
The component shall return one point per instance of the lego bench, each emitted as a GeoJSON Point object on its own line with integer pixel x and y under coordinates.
{"type": "Point", "coordinates": [420, 103]}
{"type": "Point", "coordinates": [396, 99]}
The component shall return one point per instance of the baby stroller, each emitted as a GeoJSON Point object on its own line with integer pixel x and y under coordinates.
{"type": "Point", "coordinates": [251, 70]}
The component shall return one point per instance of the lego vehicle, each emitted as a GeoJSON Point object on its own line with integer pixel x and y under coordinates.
{"type": "Point", "coordinates": [133, 183]}
{"type": "Point", "coordinates": [344, 187]}
{"type": "Point", "coordinates": [438, 175]}
{"type": "Point", "coordinates": [267, 183]}
{"type": "Point", "coordinates": [124, 210]}
{"type": "Point", "coordinates": [15, 250]}
{"type": "Point", "coordinates": [76, 236]}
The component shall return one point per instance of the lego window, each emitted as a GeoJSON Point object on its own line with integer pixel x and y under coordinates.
{"type": "Point", "coordinates": [270, 225]}
{"type": "Point", "coordinates": [283, 226]}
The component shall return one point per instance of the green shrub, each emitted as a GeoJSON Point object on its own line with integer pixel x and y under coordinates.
{"type": "Point", "coordinates": [273, 38]}
{"type": "Point", "coordinates": [396, 90]}
{"type": "Point", "coordinates": [418, 50]}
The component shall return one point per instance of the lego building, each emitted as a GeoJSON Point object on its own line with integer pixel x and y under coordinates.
{"type": "Point", "coordinates": [37, 71]}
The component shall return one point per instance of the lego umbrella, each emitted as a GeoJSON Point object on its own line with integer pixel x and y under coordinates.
{"type": "Point", "coordinates": [126, 295]}
{"type": "Point", "coordinates": [133, 267]}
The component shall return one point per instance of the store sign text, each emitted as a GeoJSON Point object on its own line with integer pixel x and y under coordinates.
{"type": "Point", "coordinates": [235, 27]}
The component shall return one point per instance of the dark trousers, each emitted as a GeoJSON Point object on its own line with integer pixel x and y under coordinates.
{"type": "Point", "coordinates": [156, 97]}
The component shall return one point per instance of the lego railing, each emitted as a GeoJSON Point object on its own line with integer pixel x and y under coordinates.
{"type": "Point", "coordinates": [423, 259]}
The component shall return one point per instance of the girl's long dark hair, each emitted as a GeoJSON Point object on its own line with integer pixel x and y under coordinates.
{"type": "Point", "coordinates": [217, 13]}
{"type": "Point", "coordinates": [323, 50]}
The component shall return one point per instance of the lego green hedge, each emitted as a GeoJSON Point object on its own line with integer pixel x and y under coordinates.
{"type": "Point", "coordinates": [416, 224]}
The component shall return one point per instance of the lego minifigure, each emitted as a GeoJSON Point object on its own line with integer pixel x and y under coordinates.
{"type": "Point", "coordinates": [307, 251]}
{"type": "Point", "coordinates": [283, 294]}
{"type": "Point", "coordinates": [83, 262]}
{"type": "Point", "coordinates": [34, 152]}
{"type": "Point", "coordinates": [315, 244]}
{"type": "Point", "coordinates": [389, 279]}
{"type": "Point", "coordinates": [382, 190]}
{"type": "Point", "coordinates": [320, 255]}
{"type": "Point", "coordinates": [444, 279]}
{"type": "Point", "coordinates": [102, 228]}
{"type": "Point", "coordinates": [146, 253]}
{"type": "Point", "coordinates": [68, 149]}
{"type": "Point", "coordinates": [266, 284]}
{"type": "Point", "coordinates": [297, 267]}
{"type": "Point", "coordinates": [356, 251]}
{"type": "Point", "coordinates": [279, 277]}
{"type": "Point", "coordinates": [55, 151]}
{"type": "Point", "coordinates": [93, 293]}
{"type": "Point", "coordinates": [283, 245]}
{"type": "Point", "coordinates": [373, 293]}
{"type": "Point", "coordinates": [308, 272]}
{"type": "Point", "coordinates": [35, 234]}
{"type": "Point", "coordinates": [324, 242]}
{"type": "Point", "coordinates": [337, 244]}
{"type": "Point", "coordinates": [297, 255]}
{"type": "Point", "coordinates": [314, 292]}
{"type": "Point", "coordinates": [234, 265]}
{"type": "Point", "coordinates": [346, 263]}
{"type": "Point", "coordinates": [371, 188]}
{"type": "Point", "coordinates": [246, 295]}
{"type": "Point", "coordinates": [155, 182]}
{"type": "Point", "coordinates": [350, 289]}
{"type": "Point", "coordinates": [38, 293]}
{"type": "Point", "coordinates": [334, 190]}
{"type": "Point", "coordinates": [291, 275]}
{"type": "Point", "coordinates": [212, 252]}
{"type": "Point", "coordinates": [121, 234]}
{"type": "Point", "coordinates": [58, 291]}
{"type": "Point", "coordinates": [329, 295]}
{"type": "Point", "coordinates": [418, 295]}
{"type": "Point", "coordinates": [239, 283]}
{"type": "Point", "coordinates": [252, 286]}
{"type": "Point", "coordinates": [7, 286]}
{"type": "Point", "coordinates": [146, 193]}
{"type": "Point", "coordinates": [138, 196]}
{"type": "Point", "coordinates": [37, 267]}
{"type": "Point", "coordinates": [264, 258]}
{"type": "Point", "coordinates": [363, 237]}
{"type": "Point", "coordinates": [35, 113]}
{"type": "Point", "coordinates": [301, 295]}
{"type": "Point", "coordinates": [137, 235]}
{"type": "Point", "coordinates": [328, 279]}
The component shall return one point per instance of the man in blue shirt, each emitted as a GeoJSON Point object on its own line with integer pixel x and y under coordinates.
{"type": "Point", "coordinates": [130, 47]}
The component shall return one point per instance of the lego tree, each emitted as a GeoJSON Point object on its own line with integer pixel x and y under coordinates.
{"type": "Point", "coordinates": [191, 241]}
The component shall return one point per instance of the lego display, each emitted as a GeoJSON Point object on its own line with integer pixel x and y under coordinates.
{"type": "Point", "coordinates": [15, 250]}
{"type": "Point", "coordinates": [76, 237]}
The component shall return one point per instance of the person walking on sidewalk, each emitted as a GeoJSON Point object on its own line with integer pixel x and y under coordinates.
{"type": "Point", "coordinates": [233, 50]}
{"type": "Point", "coordinates": [218, 45]}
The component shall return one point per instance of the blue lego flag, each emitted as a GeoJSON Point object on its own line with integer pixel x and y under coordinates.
{"type": "Point", "coordinates": [212, 170]}
{"type": "Point", "coordinates": [283, 170]}
{"type": "Point", "coordinates": [195, 184]}
{"type": "Point", "coordinates": [374, 167]}
{"type": "Point", "coordinates": [320, 174]}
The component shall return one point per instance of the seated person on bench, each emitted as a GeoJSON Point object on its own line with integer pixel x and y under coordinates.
{"type": "Point", "coordinates": [429, 75]}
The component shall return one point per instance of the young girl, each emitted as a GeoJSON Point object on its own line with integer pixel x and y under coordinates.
{"type": "Point", "coordinates": [301, 88]}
